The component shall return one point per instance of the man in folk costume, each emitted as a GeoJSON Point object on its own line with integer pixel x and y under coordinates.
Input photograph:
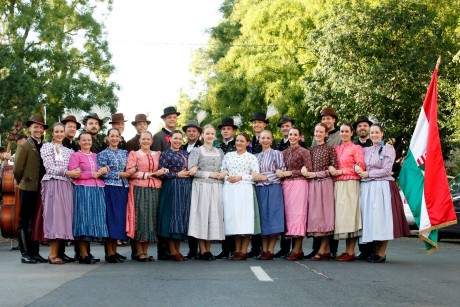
{"type": "Point", "coordinates": [228, 129]}
{"type": "Point", "coordinates": [192, 131]}
{"type": "Point", "coordinates": [329, 118]}
{"type": "Point", "coordinates": [161, 143]}
{"type": "Point", "coordinates": [161, 138]}
{"type": "Point", "coordinates": [28, 171]}
{"type": "Point", "coordinates": [362, 126]}
{"type": "Point", "coordinates": [141, 123]}
{"type": "Point", "coordinates": [93, 124]}
{"type": "Point", "coordinates": [71, 126]}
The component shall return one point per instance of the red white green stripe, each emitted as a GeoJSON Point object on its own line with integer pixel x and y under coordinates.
{"type": "Point", "coordinates": [423, 175]}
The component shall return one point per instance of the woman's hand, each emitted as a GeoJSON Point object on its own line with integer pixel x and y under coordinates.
{"type": "Point", "coordinates": [258, 177]}
{"type": "Point", "coordinates": [74, 174]}
{"type": "Point", "coordinates": [357, 169]}
{"type": "Point", "coordinates": [183, 174]}
{"type": "Point", "coordinates": [304, 171]}
{"type": "Point", "coordinates": [160, 172]}
{"type": "Point", "coordinates": [333, 171]}
{"type": "Point", "coordinates": [193, 170]}
{"type": "Point", "coordinates": [234, 179]}
{"type": "Point", "coordinates": [310, 175]}
{"type": "Point", "coordinates": [287, 174]}
{"type": "Point", "coordinates": [279, 173]}
{"type": "Point", "coordinates": [131, 171]}
{"type": "Point", "coordinates": [124, 175]}
{"type": "Point", "coordinates": [363, 174]}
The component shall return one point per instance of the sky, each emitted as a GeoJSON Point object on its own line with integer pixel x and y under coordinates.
{"type": "Point", "coordinates": [152, 43]}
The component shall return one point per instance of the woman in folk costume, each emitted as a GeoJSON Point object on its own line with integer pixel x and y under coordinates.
{"type": "Point", "coordinates": [295, 191]}
{"type": "Point", "coordinates": [346, 192]}
{"type": "Point", "coordinates": [206, 221]}
{"type": "Point", "coordinates": [241, 216]}
{"type": "Point", "coordinates": [143, 197]}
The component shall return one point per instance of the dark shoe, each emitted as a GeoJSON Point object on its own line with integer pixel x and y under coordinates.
{"type": "Point", "coordinates": [25, 258]}
{"type": "Point", "coordinates": [66, 258]}
{"type": "Point", "coordinates": [223, 255]}
{"type": "Point", "coordinates": [262, 253]}
{"type": "Point", "coordinates": [346, 257]}
{"type": "Point", "coordinates": [86, 260]}
{"type": "Point", "coordinates": [253, 253]}
{"type": "Point", "coordinates": [120, 257]}
{"type": "Point", "coordinates": [321, 257]}
{"type": "Point", "coordinates": [95, 259]}
{"type": "Point", "coordinates": [377, 259]}
{"type": "Point", "coordinates": [177, 257]}
{"type": "Point", "coordinates": [192, 255]}
{"type": "Point", "coordinates": [363, 256]}
{"type": "Point", "coordinates": [294, 257]}
{"type": "Point", "coordinates": [240, 256]}
{"type": "Point", "coordinates": [311, 254]}
{"type": "Point", "coordinates": [39, 258]}
{"type": "Point", "coordinates": [112, 259]}
{"type": "Point", "coordinates": [55, 260]}
{"type": "Point", "coordinates": [281, 253]}
{"type": "Point", "coordinates": [266, 256]}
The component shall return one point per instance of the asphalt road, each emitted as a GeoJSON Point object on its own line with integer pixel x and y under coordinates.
{"type": "Point", "coordinates": [408, 278]}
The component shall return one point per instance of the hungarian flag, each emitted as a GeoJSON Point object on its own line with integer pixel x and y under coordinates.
{"type": "Point", "coordinates": [423, 175]}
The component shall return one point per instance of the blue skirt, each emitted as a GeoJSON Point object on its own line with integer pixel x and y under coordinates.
{"type": "Point", "coordinates": [116, 199]}
{"type": "Point", "coordinates": [271, 209]}
{"type": "Point", "coordinates": [89, 213]}
{"type": "Point", "coordinates": [174, 213]}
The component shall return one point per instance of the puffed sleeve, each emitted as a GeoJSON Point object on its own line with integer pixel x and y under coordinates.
{"type": "Point", "coordinates": [132, 162]}
{"type": "Point", "coordinates": [331, 156]}
{"type": "Point", "coordinates": [52, 168]}
{"type": "Point", "coordinates": [103, 160]}
{"type": "Point", "coordinates": [224, 167]}
{"type": "Point", "coordinates": [193, 160]}
{"type": "Point", "coordinates": [253, 167]}
{"type": "Point", "coordinates": [389, 155]}
{"type": "Point", "coordinates": [165, 162]}
{"type": "Point", "coordinates": [279, 160]}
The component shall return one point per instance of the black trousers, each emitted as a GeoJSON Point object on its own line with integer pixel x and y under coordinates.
{"type": "Point", "coordinates": [28, 208]}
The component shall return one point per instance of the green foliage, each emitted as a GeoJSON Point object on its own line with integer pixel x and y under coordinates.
{"type": "Point", "coordinates": [56, 54]}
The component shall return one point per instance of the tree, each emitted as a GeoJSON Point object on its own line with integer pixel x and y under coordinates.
{"type": "Point", "coordinates": [377, 59]}
{"type": "Point", "coordinates": [56, 54]}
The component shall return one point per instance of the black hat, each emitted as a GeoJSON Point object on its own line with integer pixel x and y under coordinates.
{"type": "Point", "coordinates": [140, 118]}
{"type": "Point", "coordinates": [361, 119]}
{"type": "Point", "coordinates": [260, 116]}
{"type": "Point", "coordinates": [94, 116]}
{"type": "Point", "coordinates": [328, 112]}
{"type": "Point", "coordinates": [38, 120]}
{"type": "Point", "coordinates": [118, 118]}
{"type": "Point", "coordinates": [71, 118]}
{"type": "Point", "coordinates": [192, 123]}
{"type": "Point", "coordinates": [286, 119]}
{"type": "Point", "coordinates": [169, 110]}
{"type": "Point", "coordinates": [228, 121]}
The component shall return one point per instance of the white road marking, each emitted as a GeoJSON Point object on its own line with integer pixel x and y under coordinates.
{"type": "Point", "coordinates": [260, 273]}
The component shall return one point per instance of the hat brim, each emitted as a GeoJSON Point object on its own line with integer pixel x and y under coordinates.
{"type": "Point", "coordinates": [331, 115]}
{"type": "Point", "coordinates": [262, 120]}
{"type": "Point", "coordinates": [164, 115]}
{"type": "Point", "coordinates": [118, 121]}
{"type": "Point", "coordinates": [30, 122]}
{"type": "Point", "coordinates": [185, 128]}
{"type": "Point", "coordinates": [141, 121]}
{"type": "Point", "coordinates": [234, 126]}
{"type": "Point", "coordinates": [355, 125]}
{"type": "Point", "coordinates": [66, 121]}
{"type": "Point", "coordinates": [291, 120]}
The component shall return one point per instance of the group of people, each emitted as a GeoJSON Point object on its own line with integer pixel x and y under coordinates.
{"type": "Point", "coordinates": [154, 188]}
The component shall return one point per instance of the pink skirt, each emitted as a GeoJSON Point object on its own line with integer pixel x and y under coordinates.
{"type": "Point", "coordinates": [295, 194]}
{"type": "Point", "coordinates": [321, 210]}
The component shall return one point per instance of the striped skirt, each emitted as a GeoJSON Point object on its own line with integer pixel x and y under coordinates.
{"type": "Point", "coordinates": [145, 213]}
{"type": "Point", "coordinates": [89, 213]}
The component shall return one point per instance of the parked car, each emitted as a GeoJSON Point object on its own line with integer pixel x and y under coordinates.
{"type": "Point", "coordinates": [453, 231]}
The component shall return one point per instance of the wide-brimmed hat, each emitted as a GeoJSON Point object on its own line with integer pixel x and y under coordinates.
{"type": "Point", "coordinates": [286, 119]}
{"type": "Point", "coordinates": [118, 118]}
{"type": "Point", "coordinates": [260, 116]}
{"type": "Point", "coordinates": [38, 120]}
{"type": "Point", "coordinates": [94, 116]}
{"type": "Point", "coordinates": [140, 118]}
{"type": "Point", "coordinates": [228, 121]}
{"type": "Point", "coordinates": [192, 123]}
{"type": "Point", "coordinates": [361, 119]}
{"type": "Point", "coordinates": [168, 111]}
{"type": "Point", "coordinates": [71, 118]}
{"type": "Point", "coordinates": [328, 112]}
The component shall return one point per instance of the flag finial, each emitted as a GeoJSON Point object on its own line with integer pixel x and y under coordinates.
{"type": "Point", "coordinates": [438, 62]}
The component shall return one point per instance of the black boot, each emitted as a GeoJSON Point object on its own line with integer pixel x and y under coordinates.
{"type": "Point", "coordinates": [36, 254]}
{"type": "Point", "coordinates": [22, 240]}
{"type": "Point", "coordinates": [61, 253]}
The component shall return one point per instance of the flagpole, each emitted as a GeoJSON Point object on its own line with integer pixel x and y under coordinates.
{"type": "Point", "coordinates": [438, 62]}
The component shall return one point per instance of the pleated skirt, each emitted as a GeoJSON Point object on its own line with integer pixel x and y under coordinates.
{"type": "Point", "coordinates": [206, 211]}
{"type": "Point", "coordinates": [347, 209]}
{"type": "Point", "coordinates": [321, 210]}
{"type": "Point", "coordinates": [400, 225]}
{"type": "Point", "coordinates": [175, 198]}
{"type": "Point", "coordinates": [89, 214]}
{"type": "Point", "coordinates": [376, 211]}
{"type": "Point", "coordinates": [146, 203]}
{"type": "Point", "coordinates": [296, 207]}
{"type": "Point", "coordinates": [271, 209]}
{"type": "Point", "coordinates": [116, 198]}
{"type": "Point", "coordinates": [241, 211]}
{"type": "Point", "coordinates": [57, 200]}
